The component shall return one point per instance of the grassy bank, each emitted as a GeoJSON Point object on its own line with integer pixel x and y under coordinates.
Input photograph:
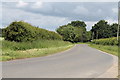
{"type": "Point", "coordinates": [14, 50]}
{"type": "Point", "coordinates": [106, 48]}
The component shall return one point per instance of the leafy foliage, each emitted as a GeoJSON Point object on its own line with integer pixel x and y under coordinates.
{"type": "Point", "coordinates": [106, 41]}
{"type": "Point", "coordinates": [77, 24]}
{"type": "Point", "coordinates": [22, 31]}
{"type": "Point", "coordinates": [103, 30]}
{"type": "Point", "coordinates": [74, 32]}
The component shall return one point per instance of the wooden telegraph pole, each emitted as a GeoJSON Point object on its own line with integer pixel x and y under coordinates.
{"type": "Point", "coordinates": [118, 20]}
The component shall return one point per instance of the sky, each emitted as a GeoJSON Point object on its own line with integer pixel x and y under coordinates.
{"type": "Point", "coordinates": [51, 15]}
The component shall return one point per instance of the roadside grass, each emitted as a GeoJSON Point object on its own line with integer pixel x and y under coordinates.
{"type": "Point", "coordinates": [1, 38]}
{"type": "Point", "coordinates": [13, 50]}
{"type": "Point", "coordinates": [112, 49]}
{"type": "Point", "coordinates": [81, 43]}
{"type": "Point", "coordinates": [31, 45]}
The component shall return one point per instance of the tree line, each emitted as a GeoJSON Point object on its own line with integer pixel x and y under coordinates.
{"type": "Point", "coordinates": [104, 30]}
{"type": "Point", "coordinates": [75, 31]}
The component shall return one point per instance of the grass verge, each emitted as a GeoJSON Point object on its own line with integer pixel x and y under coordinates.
{"type": "Point", "coordinates": [106, 48]}
{"type": "Point", "coordinates": [109, 49]}
{"type": "Point", "coordinates": [13, 50]}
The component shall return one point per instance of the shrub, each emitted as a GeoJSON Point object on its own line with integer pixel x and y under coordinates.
{"type": "Point", "coordinates": [21, 31]}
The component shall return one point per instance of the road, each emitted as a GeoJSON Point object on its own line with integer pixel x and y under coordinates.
{"type": "Point", "coordinates": [81, 61]}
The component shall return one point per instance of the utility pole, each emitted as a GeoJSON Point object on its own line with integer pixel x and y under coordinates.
{"type": "Point", "coordinates": [93, 35]}
{"type": "Point", "coordinates": [118, 20]}
{"type": "Point", "coordinates": [97, 34]}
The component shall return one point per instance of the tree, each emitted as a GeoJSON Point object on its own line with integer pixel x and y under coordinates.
{"type": "Point", "coordinates": [114, 28]}
{"type": "Point", "coordinates": [88, 35]}
{"type": "Point", "coordinates": [77, 24]}
{"type": "Point", "coordinates": [101, 30]}
{"type": "Point", "coordinates": [70, 33]}
{"type": "Point", "coordinates": [73, 32]}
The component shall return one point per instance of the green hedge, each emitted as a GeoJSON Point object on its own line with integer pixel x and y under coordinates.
{"type": "Point", "coordinates": [106, 41]}
{"type": "Point", "coordinates": [21, 31]}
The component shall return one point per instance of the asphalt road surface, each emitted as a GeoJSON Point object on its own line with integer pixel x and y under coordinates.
{"type": "Point", "coordinates": [81, 61]}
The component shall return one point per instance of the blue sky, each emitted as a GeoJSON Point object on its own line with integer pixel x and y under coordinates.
{"type": "Point", "coordinates": [51, 15]}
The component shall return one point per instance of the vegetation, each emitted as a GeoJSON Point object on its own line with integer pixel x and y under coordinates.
{"type": "Point", "coordinates": [22, 40]}
{"type": "Point", "coordinates": [105, 37]}
{"type": "Point", "coordinates": [106, 41]}
{"type": "Point", "coordinates": [74, 32]}
{"type": "Point", "coordinates": [106, 48]}
{"type": "Point", "coordinates": [21, 32]}
{"type": "Point", "coordinates": [15, 50]}
{"type": "Point", "coordinates": [109, 45]}
{"type": "Point", "coordinates": [104, 30]}
{"type": "Point", "coordinates": [32, 45]}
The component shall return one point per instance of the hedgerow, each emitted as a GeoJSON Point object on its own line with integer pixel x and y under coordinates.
{"type": "Point", "coordinates": [21, 32]}
{"type": "Point", "coordinates": [106, 41]}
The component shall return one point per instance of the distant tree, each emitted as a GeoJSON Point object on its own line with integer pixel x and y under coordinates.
{"type": "Point", "coordinates": [113, 29]}
{"type": "Point", "coordinates": [88, 35]}
{"type": "Point", "coordinates": [73, 32]}
{"type": "Point", "coordinates": [77, 24]}
{"type": "Point", "coordinates": [70, 33]}
{"type": "Point", "coordinates": [101, 30]}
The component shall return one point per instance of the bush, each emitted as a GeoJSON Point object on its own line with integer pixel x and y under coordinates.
{"type": "Point", "coordinates": [21, 32]}
{"type": "Point", "coordinates": [106, 41]}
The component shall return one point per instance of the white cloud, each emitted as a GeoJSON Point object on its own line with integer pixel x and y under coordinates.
{"type": "Point", "coordinates": [43, 21]}
{"type": "Point", "coordinates": [111, 21]}
{"type": "Point", "coordinates": [115, 10]}
{"type": "Point", "coordinates": [37, 4]}
{"type": "Point", "coordinates": [90, 24]}
{"type": "Point", "coordinates": [81, 10]}
{"type": "Point", "coordinates": [21, 4]}
{"type": "Point", "coordinates": [64, 0]}
{"type": "Point", "coordinates": [51, 15]}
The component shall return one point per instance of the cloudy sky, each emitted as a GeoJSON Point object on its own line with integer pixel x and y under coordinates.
{"type": "Point", "coordinates": [50, 15]}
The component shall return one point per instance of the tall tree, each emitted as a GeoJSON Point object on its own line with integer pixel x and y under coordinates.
{"type": "Point", "coordinates": [101, 30]}
{"type": "Point", "coordinates": [77, 24]}
{"type": "Point", "coordinates": [73, 32]}
{"type": "Point", "coordinates": [70, 33]}
{"type": "Point", "coordinates": [114, 28]}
